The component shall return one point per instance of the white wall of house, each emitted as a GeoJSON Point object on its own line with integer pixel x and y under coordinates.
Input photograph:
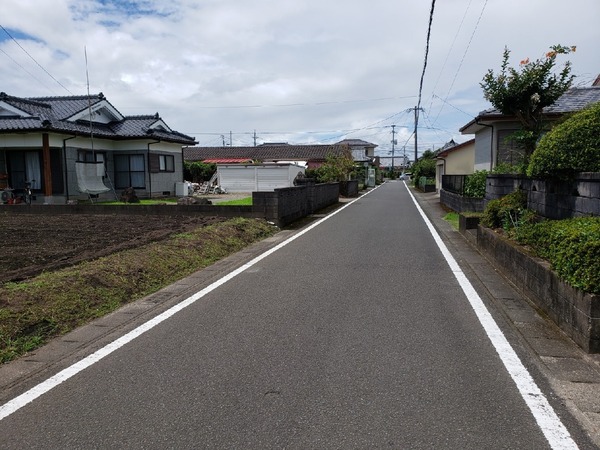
{"type": "Point", "coordinates": [257, 177]}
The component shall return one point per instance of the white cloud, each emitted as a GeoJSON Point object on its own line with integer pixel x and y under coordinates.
{"type": "Point", "coordinates": [285, 68]}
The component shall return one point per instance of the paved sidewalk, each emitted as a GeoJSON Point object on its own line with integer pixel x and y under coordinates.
{"type": "Point", "coordinates": [572, 373]}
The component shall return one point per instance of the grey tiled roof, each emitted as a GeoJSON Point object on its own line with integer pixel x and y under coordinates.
{"type": "Point", "coordinates": [51, 113]}
{"type": "Point", "coordinates": [573, 100]}
{"type": "Point", "coordinates": [265, 153]}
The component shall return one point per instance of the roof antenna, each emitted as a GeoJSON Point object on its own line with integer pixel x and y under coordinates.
{"type": "Point", "coordinates": [87, 76]}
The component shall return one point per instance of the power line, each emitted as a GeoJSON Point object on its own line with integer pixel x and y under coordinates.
{"type": "Point", "coordinates": [418, 107]}
{"type": "Point", "coordinates": [288, 105]}
{"type": "Point", "coordinates": [34, 60]}
{"type": "Point", "coordinates": [26, 71]}
{"type": "Point", "coordinates": [463, 59]}
{"type": "Point", "coordinates": [450, 50]}
{"type": "Point", "coordinates": [426, 52]}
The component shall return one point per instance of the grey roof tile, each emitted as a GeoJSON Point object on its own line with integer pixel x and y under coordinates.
{"type": "Point", "coordinates": [265, 153]}
{"type": "Point", "coordinates": [51, 113]}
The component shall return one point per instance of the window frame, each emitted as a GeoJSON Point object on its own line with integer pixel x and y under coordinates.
{"type": "Point", "coordinates": [119, 174]}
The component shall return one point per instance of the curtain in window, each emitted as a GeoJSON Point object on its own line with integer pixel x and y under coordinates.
{"type": "Point", "coordinates": [32, 169]}
{"type": "Point", "coordinates": [137, 171]}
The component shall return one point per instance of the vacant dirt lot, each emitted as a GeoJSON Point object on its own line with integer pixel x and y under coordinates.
{"type": "Point", "coordinates": [34, 243]}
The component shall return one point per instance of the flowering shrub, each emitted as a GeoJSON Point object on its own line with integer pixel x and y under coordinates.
{"type": "Point", "coordinates": [524, 92]}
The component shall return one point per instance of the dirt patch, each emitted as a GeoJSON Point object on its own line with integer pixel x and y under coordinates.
{"type": "Point", "coordinates": [35, 243]}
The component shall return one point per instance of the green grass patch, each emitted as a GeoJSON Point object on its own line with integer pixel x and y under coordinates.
{"type": "Point", "coordinates": [452, 219]}
{"type": "Point", "coordinates": [54, 303]}
{"type": "Point", "coordinates": [247, 201]}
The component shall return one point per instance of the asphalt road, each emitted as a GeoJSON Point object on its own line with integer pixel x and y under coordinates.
{"type": "Point", "coordinates": [354, 335]}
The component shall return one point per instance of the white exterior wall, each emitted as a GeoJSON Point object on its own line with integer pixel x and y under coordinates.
{"type": "Point", "coordinates": [257, 177]}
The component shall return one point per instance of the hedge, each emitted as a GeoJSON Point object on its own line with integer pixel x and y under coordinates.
{"type": "Point", "coordinates": [570, 147]}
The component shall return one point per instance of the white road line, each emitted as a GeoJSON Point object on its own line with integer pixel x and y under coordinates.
{"type": "Point", "coordinates": [555, 432]}
{"type": "Point", "coordinates": [27, 397]}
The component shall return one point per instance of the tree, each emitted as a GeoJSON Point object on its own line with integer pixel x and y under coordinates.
{"type": "Point", "coordinates": [198, 171]}
{"type": "Point", "coordinates": [424, 167]}
{"type": "Point", "coordinates": [336, 168]}
{"type": "Point", "coordinates": [526, 91]}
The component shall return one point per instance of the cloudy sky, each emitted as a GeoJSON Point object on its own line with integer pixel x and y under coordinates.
{"type": "Point", "coordinates": [297, 71]}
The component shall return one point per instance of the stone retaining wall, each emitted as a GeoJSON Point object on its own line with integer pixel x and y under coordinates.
{"type": "Point", "coordinates": [575, 312]}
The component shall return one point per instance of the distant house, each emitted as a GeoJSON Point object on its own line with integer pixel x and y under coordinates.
{"type": "Point", "coordinates": [311, 156]}
{"type": "Point", "coordinates": [492, 128]}
{"type": "Point", "coordinates": [54, 141]}
{"type": "Point", "coordinates": [362, 151]}
{"type": "Point", "coordinates": [455, 159]}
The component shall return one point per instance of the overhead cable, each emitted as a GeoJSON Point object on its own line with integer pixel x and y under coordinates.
{"type": "Point", "coordinates": [34, 60]}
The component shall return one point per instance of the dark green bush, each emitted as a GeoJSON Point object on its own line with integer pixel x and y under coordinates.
{"type": "Point", "coordinates": [570, 147]}
{"type": "Point", "coordinates": [198, 171]}
{"type": "Point", "coordinates": [507, 212]}
{"type": "Point", "coordinates": [424, 167]}
{"type": "Point", "coordinates": [475, 184]}
{"type": "Point", "coordinates": [572, 247]}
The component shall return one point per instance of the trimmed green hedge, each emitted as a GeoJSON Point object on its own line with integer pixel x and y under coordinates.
{"type": "Point", "coordinates": [572, 247]}
{"type": "Point", "coordinates": [570, 147]}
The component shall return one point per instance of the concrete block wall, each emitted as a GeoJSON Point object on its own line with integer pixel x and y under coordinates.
{"type": "Point", "coordinates": [286, 205]}
{"type": "Point", "coordinates": [551, 199]}
{"type": "Point", "coordinates": [459, 203]}
{"type": "Point", "coordinates": [577, 313]}
{"type": "Point", "coordinates": [282, 206]}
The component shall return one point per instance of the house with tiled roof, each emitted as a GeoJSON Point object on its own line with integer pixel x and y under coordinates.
{"type": "Point", "coordinates": [45, 140]}
{"type": "Point", "coordinates": [492, 128]}
{"type": "Point", "coordinates": [454, 159]}
{"type": "Point", "coordinates": [362, 151]}
{"type": "Point", "coordinates": [312, 155]}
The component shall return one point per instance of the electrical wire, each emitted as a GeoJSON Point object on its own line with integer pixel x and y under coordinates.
{"type": "Point", "coordinates": [463, 59]}
{"type": "Point", "coordinates": [450, 51]}
{"type": "Point", "coordinates": [426, 52]}
{"type": "Point", "coordinates": [26, 71]}
{"type": "Point", "coordinates": [34, 60]}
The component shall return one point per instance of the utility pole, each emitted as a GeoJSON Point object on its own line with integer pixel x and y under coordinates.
{"type": "Point", "coordinates": [417, 109]}
{"type": "Point", "coordinates": [255, 138]}
{"type": "Point", "coordinates": [393, 146]}
{"type": "Point", "coordinates": [223, 138]}
{"type": "Point", "coordinates": [230, 138]}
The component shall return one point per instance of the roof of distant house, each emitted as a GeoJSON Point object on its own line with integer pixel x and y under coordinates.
{"type": "Point", "coordinates": [573, 100]}
{"type": "Point", "coordinates": [285, 152]}
{"type": "Point", "coordinates": [447, 149]}
{"type": "Point", "coordinates": [72, 115]}
{"type": "Point", "coordinates": [357, 143]}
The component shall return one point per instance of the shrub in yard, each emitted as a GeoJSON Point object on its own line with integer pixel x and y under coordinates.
{"type": "Point", "coordinates": [475, 184]}
{"type": "Point", "coordinates": [198, 171]}
{"type": "Point", "coordinates": [507, 212]}
{"type": "Point", "coordinates": [572, 247]}
{"type": "Point", "coordinates": [570, 147]}
{"type": "Point", "coordinates": [424, 167]}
